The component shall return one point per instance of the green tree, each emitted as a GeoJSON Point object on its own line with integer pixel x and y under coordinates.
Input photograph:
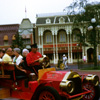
{"type": "Point", "coordinates": [18, 42]}
{"type": "Point", "coordinates": [83, 12]}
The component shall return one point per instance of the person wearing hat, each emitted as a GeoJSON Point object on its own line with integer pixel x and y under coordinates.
{"type": "Point", "coordinates": [32, 58]}
{"type": "Point", "coordinates": [65, 61]}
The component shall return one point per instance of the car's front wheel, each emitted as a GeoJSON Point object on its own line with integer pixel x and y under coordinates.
{"type": "Point", "coordinates": [94, 95]}
{"type": "Point", "coordinates": [47, 93]}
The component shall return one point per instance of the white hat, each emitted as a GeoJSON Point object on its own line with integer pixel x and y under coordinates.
{"type": "Point", "coordinates": [25, 50]}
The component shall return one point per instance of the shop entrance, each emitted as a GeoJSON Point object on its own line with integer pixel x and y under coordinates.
{"type": "Point", "coordinates": [90, 55]}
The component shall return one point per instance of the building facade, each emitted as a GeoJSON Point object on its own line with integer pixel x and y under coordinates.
{"type": "Point", "coordinates": [26, 31]}
{"type": "Point", "coordinates": [57, 36]}
{"type": "Point", "coordinates": [7, 34]}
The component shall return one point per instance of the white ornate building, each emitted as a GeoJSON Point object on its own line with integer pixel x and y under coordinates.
{"type": "Point", "coordinates": [57, 36]}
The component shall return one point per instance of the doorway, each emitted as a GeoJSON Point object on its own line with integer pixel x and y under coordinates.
{"type": "Point", "coordinates": [90, 54]}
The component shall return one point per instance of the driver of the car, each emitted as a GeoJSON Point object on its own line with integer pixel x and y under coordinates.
{"type": "Point", "coordinates": [32, 58]}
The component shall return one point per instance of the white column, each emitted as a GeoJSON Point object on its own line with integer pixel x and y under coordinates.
{"type": "Point", "coordinates": [53, 48]}
{"type": "Point", "coordinates": [69, 50]}
{"type": "Point", "coordinates": [68, 45]}
{"type": "Point", "coordinates": [56, 50]}
{"type": "Point", "coordinates": [39, 43]}
{"type": "Point", "coordinates": [39, 35]}
{"type": "Point", "coordinates": [42, 43]}
{"type": "Point", "coordinates": [71, 60]}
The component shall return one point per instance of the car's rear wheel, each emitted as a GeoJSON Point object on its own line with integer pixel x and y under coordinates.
{"type": "Point", "coordinates": [47, 93]}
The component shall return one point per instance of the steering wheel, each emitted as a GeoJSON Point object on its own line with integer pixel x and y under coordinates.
{"type": "Point", "coordinates": [44, 61]}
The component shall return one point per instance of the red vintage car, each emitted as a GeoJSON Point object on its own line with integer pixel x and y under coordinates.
{"type": "Point", "coordinates": [50, 85]}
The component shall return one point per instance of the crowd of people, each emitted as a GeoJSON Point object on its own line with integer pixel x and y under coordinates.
{"type": "Point", "coordinates": [23, 61]}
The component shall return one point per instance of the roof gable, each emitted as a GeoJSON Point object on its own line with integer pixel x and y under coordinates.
{"type": "Point", "coordinates": [26, 23]}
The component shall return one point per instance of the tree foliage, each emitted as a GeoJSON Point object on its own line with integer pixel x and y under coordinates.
{"type": "Point", "coordinates": [18, 42]}
{"type": "Point", "coordinates": [83, 12]}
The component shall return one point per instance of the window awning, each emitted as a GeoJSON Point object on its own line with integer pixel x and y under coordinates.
{"type": "Point", "coordinates": [5, 37]}
{"type": "Point", "coordinates": [13, 37]}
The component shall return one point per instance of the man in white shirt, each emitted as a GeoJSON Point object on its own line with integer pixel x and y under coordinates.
{"type": "Point", "coordinates": [65, 61]}
{"type": "Point", "coordinates": [7, 56]}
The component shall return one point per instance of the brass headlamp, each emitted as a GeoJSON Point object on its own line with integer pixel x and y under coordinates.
{"type": "Point", "coordinates": [93, 78]}
{"type": "Point", "coordinates": [67, 86]}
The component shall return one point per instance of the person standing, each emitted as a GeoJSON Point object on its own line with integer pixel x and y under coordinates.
{"type": "Point", "coordinates": [65, 61]}
{"type": "Point", "coordinates": [84, 58]}
{"type": "Point", "coordinates": [32, 58]}
{"type": "Point", "coordinates": [99, 58]}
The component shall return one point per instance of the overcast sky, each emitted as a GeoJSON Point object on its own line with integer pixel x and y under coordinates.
{"type": "Point", "coordinates": [13, 11]}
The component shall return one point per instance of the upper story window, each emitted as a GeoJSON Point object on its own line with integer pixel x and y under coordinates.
{"type": "Point", "coordinates": [26, 41]}
{"type": "Point", "coordinates": [75, 38]}
{"type": "Point", "coordinates": [48, 21]}
{"type": "Point", "coordinates": [47, 37]}
{"type": "Point", "coordinates": [62, 37]}
{"type": "Point", "coordinates": [75, 35]}
{"type": "Point", "coordinates": [61, 20]}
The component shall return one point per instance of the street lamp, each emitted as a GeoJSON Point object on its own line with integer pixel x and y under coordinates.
{"type": "Point", "coordinates": [78, 55]}
{"type": "Point", "coordinates": [93, 28]}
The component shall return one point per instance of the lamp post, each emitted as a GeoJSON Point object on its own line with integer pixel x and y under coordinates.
{"type": "Point", "coordinates": [93, 28]}
{"type": "Point", "coordinates": [78, 55]}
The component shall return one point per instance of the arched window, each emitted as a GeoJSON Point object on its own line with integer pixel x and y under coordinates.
{"type": "Point", "coordinates": [48, 37]}
{"type": "Point", "coordinates": [62, 36]}
{"type": "Point", "coordinates": [75, 35]}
